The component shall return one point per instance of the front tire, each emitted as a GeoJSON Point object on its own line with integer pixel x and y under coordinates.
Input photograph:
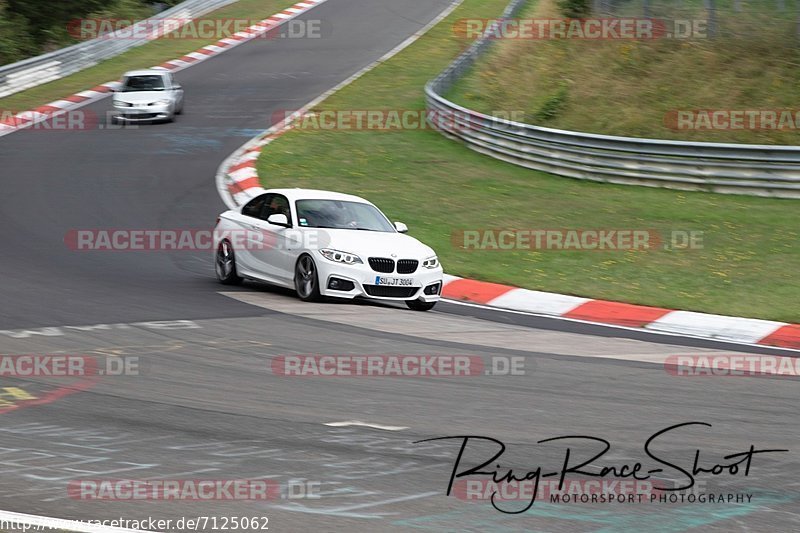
{"type": "Point", "coordinates": [419, 305]}
{"type": "Point", "coordinates": [225, 265]}
{"type": "Point", "coordinates": [306, 279]}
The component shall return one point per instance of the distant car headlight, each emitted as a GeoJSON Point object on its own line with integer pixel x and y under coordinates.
{"type": "Point", "coordinates": [161, 102]}
{"type": "Point", "coordinates": [431, 262]}
{"type": "Point", "coordinates": [340, 257]}
{"type": "Point", "coordinates": [122, 104]}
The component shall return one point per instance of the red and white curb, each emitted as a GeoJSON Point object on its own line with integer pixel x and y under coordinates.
{"type": "Point", "coordinates": [237, 177]}
{"type": "Point", "coordinates": [749, 331]}
{"type": "Point", "coordinates": [238, 181]}
{"type": "Point", "coordinates": [26, 119]}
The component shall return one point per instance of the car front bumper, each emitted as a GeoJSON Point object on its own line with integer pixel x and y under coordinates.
{"type": "Point", "coordinates": [143, 113]}
{"type": "Point", "coordinates": [353, 281]}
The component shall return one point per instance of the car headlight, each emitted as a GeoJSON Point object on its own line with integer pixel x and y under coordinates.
{"type": "Point", "coordinates": [161, 102]}
{"type": "Point", "coordinates": [431, 262]}
{"type": "Point", "coordinates": [122, 104]}
{"type": "Point", "coordinates": [340, 257]}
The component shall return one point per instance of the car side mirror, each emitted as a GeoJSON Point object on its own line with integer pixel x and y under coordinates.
{"type": "Point", "coordinates": [278, 219]}
{"type": "Point", "coordinates": [400, 227]}
{"type": "Point", "coordinates": [177, 87]}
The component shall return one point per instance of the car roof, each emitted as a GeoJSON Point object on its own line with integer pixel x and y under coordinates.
{"type": "Point", "coordinates": [145, 72]}
{"type": "Point", "coordinates": [316, 194]}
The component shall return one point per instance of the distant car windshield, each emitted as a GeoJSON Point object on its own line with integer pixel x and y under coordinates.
{"type": "Point", "coordinates": [143, 83]}
{"type": "Point", "coordinates": [337, 214]}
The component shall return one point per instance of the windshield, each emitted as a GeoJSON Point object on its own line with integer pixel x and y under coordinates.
{"type": "Point", "coordinates": [143, 83]}
{"type": "Point", "coordinates": [341, 215]}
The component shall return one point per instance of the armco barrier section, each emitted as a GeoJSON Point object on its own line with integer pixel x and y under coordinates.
{"type": "Point", "coordinates": [760, 170]}
{"type": "Point", "coordinates": [41, 69]}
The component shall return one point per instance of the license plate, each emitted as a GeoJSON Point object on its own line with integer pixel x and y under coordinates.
{"type": "Point", "coordinates": [393, 282]}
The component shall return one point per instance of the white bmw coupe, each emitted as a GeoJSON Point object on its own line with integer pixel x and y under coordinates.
{"type": "Point", "coordinates": [323, 243]}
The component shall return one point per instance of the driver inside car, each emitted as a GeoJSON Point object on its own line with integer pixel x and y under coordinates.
{"type": "Point", "coordinates": [278, 207]}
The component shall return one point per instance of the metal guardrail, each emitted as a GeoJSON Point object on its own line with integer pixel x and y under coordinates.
{"type": "Point", "coordinates": [41, 69]}
{"type": "Point", "coordinates": [758, 170]}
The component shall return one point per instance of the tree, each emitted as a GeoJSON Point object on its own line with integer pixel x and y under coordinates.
{"type": "Point", "coordinates": [15, 40]}
{"type": "Point", "coordinates": [45, 15]}
{"type": "Point", "coordinates": [574, 9]}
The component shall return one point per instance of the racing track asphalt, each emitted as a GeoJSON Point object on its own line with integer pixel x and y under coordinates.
{"type": "Point", "coordinates": [206, 405]}
{"type": "Point", "coordinates": [162, 176]}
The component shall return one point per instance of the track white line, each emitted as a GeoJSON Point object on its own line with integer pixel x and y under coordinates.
{"type": "Point", "coordinates": [616, 326]}
{"type": "Point", "coordinates": [365, 424]}
{"type": "Point", "coordinates": [234, 158]}
{"type": "Point", "coordinates": [251, 150]}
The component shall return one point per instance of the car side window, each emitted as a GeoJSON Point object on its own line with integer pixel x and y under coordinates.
{"type": "Point", "coordinates": [276, 204]}
{"type": "Point", "coordinates": [253, 207]}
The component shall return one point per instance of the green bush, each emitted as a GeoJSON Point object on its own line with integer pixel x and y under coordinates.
{"type": "Point", "coordinates": [31, 27]}
{"type": "Point", "coordinates": [15, 41]}
{"type": "Point", "coordinates": [552, 105]}
{"type": "Point", "coordinates": [124, 9]}
{"type": "Point", "coordinates": [44, 17]}
{"type": "Point", "coordinates": [574, 9]}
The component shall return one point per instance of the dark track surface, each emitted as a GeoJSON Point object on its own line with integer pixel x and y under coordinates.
{"type": "Point", "coordinates": [206, 404]}
{"type": "Point", "coordinates": [162, 176]}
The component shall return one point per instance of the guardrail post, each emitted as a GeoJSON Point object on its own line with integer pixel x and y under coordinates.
{"type": "Point", "coordinates": [758, 170]}
{"type": "Point", "coordinates": [798, 22]}
{"type": "Point", "coordinates": [602, 7]}
{"type": "Point", "coordinates": [711, 9]}
{"type": "Point", "coordinates": [79, 56]}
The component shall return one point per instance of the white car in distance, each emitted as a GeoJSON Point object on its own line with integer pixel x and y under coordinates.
{"type": "Point", "coordinates": [323, 243]}
{"type": "Point", "coordinates": [147, 95]}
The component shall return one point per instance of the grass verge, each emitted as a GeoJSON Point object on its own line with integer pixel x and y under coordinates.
{"type": "Point", "coordinates": [144, 56]}
{"type": "Point", "coordinates": [747, 267]}
{"type": "Point", "coordinates": [637, 87]}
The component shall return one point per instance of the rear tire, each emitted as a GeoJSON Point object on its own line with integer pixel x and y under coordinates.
{"type": "Point", "coordinates": [225, 265]}
{"type": "Point", "coordinates": [306, 279]}
{"type": "Point", "coordinates": [419, 305]}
